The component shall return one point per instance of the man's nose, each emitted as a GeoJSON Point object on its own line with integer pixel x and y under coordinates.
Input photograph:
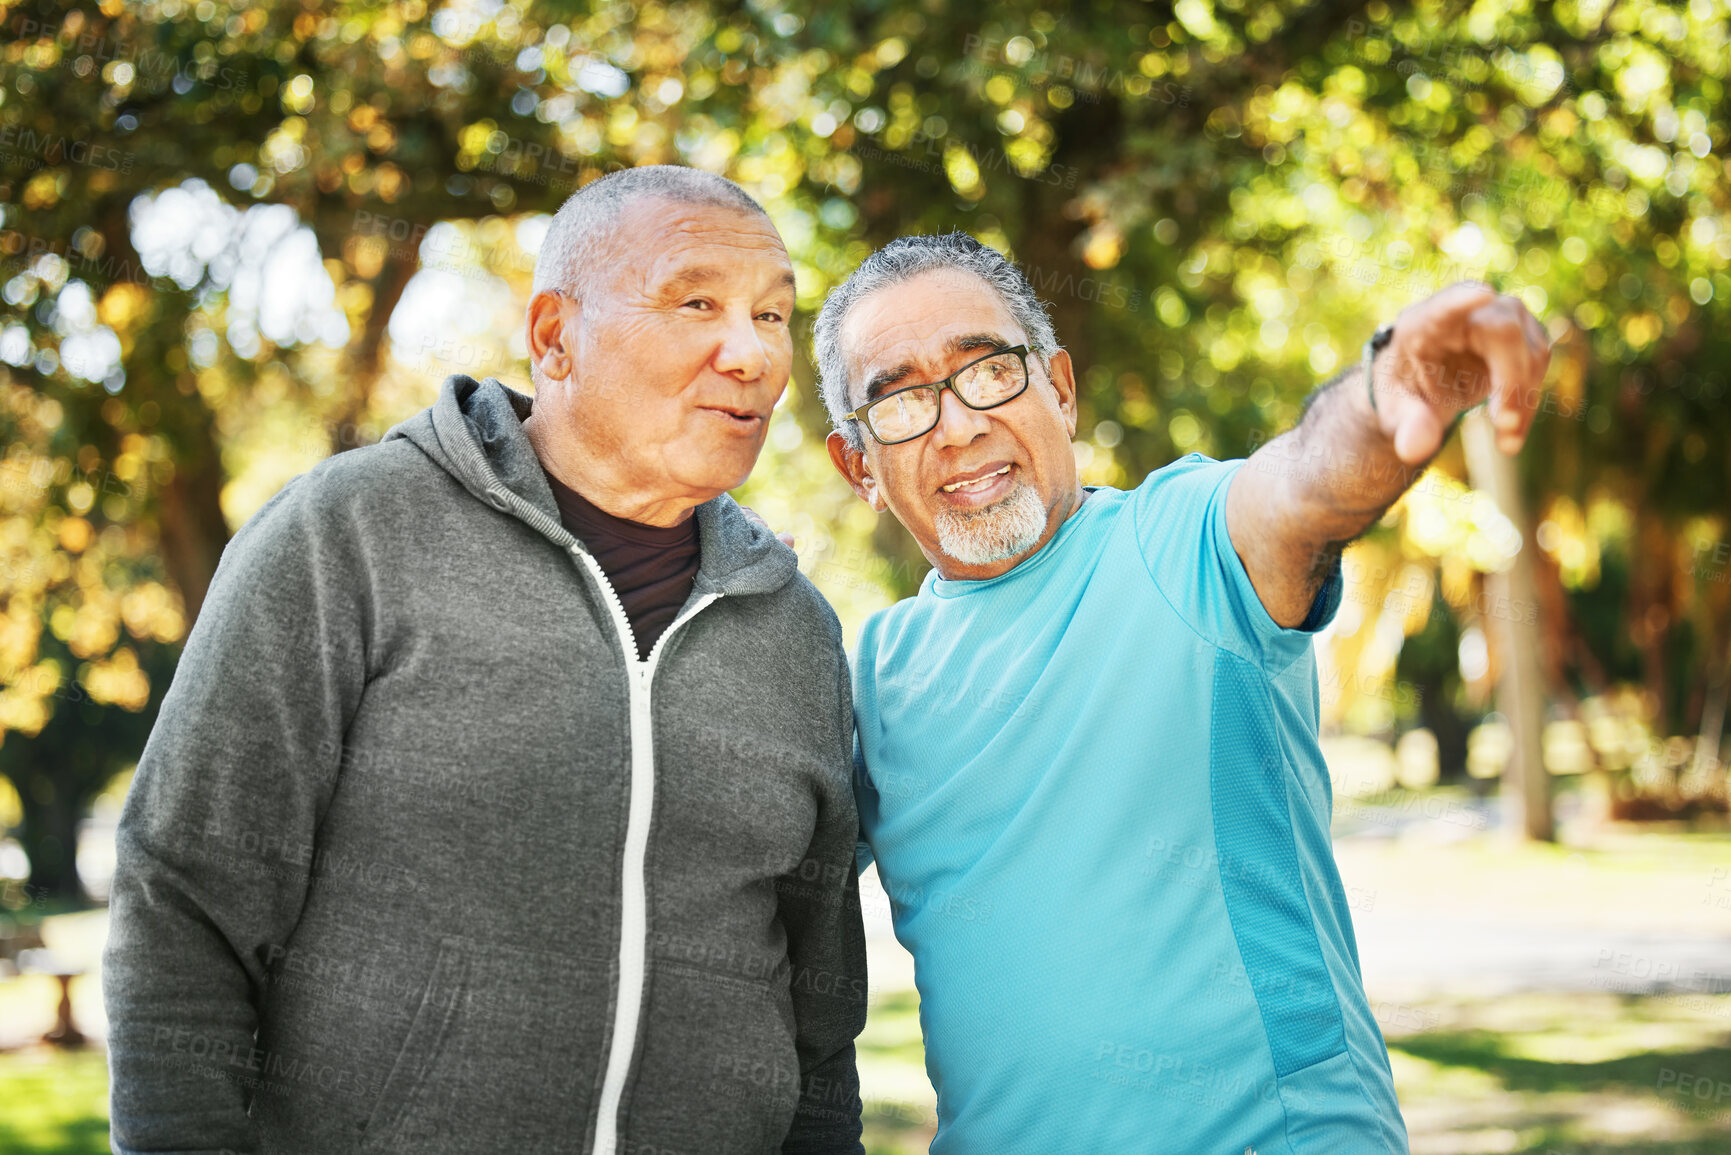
{"type": "Point", "coordinates": [957, 424]}
{"type": "Point", "coordinates": [743, 352]}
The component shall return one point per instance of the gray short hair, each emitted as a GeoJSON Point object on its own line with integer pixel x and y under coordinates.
{"type": "Point", "coordinates": [902, 260]}
{"type": "Point", "coordinates": [583, 224]}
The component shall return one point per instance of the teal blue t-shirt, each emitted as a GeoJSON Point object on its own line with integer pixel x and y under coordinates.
{"type": "Point", "coordinates": [1094, 793]}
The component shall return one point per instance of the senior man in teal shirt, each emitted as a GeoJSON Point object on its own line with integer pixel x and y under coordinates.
{"type": "Point", "coordinates": [1090, 773]}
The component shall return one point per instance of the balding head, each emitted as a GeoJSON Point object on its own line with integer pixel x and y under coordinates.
{"type": "Point", "coordinates": [582, 229]}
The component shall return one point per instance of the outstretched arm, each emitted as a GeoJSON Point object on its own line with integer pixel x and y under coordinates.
{"type": "Point", "coordinates": [1302, 497]}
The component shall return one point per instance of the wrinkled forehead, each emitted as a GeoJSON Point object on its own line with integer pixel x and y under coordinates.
{"type": "Point", "coordinates": [920, 327]}
{"type": "Point", "coordinates": [658, 240]}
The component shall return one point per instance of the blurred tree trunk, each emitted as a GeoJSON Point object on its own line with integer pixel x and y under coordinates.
{"type": "Point", "coordinates": [1437, 713]}
{"type": "Point", "coordinates": [1650, 615]}
{"type": "Point", "coordinates": [364, 360]}
{"type": "Point", "coordinates": [1712, 735]}
{"type": "Point", "coordinates": [190, 526]}
{"type": "Point", "coordinates": [72, 759]}
{"type": "Point", "coordinates": [1514, 632]}
{"type": "Point", "coordinates": [189, 521]}
{"type": "Point", "coordinates": [50, 831]}
{"type": "Point", "coordinates": [1560, 638]}
{"type": "Point", "coordinates": [192, 529]}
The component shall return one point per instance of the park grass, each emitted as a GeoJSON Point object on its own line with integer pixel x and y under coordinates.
{"type": "Point", "coordinates": [1592, 1073]}
{"type": "Point", "coordinates": [1581, 1074]}
{"type": "Point", "coordinates": [1577, 1073]}
{"type": "Point", "coordinates": [1536, 1074]}
{"type": "Point", "coordinates": [53, 1102]}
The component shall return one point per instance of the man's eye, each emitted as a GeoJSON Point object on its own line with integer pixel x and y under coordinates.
{"type": "Point", "coordinates": [772, 316]}
{"type": "Point", "coordinates": [697, 303]}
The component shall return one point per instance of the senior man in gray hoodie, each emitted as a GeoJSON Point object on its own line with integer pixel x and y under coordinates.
{"type": "Point", "coordinates": [501, 800]}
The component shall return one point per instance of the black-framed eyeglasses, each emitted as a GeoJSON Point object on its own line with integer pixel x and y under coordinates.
{"type": "Point", "coordinates": [985, 383]}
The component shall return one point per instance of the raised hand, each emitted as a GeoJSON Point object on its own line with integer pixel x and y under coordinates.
{"type": "Point", "coordinates": [1448, 353]}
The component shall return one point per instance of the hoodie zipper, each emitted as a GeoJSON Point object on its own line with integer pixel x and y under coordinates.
{"type": "Point", "coordinates": [634, 897]}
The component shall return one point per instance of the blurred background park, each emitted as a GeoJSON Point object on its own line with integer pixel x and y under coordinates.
{"type": "Point", "coordinates": [238, 237]}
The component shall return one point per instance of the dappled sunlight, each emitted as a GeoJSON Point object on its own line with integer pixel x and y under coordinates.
{"type": "Point", "coordinates": [236, 240]}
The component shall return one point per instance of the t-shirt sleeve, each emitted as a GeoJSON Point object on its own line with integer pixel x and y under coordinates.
{"type": "Point", "coordinates": [1180, 514]}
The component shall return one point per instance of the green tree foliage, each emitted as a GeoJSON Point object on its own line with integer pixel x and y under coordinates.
{"type": "Point", "coordinates": [1219, 199]}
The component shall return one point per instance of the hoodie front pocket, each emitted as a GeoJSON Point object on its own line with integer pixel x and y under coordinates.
{"type": "Point", "coordinates": [719, 1074]}
{"type": "Point", "coordinates": [421, 1048]}
{"type": "Point", "coordinates": [515, 1067]}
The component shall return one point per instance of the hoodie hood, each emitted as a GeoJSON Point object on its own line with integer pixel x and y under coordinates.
{"type": "Point", "coordinates": [474, 432]}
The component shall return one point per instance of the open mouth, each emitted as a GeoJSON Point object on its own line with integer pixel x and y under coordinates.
{"type": "Point", "coordinates": [973, 484]}
{"type": "Point", "coordinates": [743, 419]}
{"type": "Point", "coordinates": [980, 488]}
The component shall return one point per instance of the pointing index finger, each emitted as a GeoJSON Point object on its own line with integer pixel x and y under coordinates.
{"type": "Point", "coordinates": [1455, 304]}
{"type": "Point", "coordinates": [1442, 323]}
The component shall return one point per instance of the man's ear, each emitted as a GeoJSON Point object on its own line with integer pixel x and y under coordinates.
{"type": "Point", "coordinates": [549, 341]}
{"type": "Point", "coordinates": [851, 464]}
{"type": "Point", "coordinates": [1064, 381]}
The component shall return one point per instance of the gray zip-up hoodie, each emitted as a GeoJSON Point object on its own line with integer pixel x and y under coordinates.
{"type": "Point", "coordinates": [420, 856]}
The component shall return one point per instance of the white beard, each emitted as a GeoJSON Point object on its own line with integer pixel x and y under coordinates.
{"type": "Point", "coordinates": [995, 533]}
